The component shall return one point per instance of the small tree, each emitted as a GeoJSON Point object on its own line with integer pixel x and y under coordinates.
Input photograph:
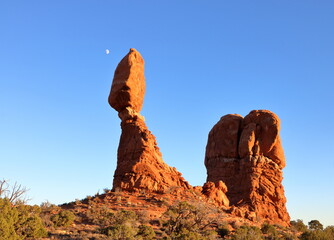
{"type": "Point", "coordinates": [315, 225]}
{"type": "Point", "coordinates": [298, 225]}
{"type": "Point", "coordinates": [186, 221]}
{"type": "Point", "coordinates": [8, 219]}
{"type": "Point", "coordinates": [329, 232]}
{"type": "Point", "coordinates": [14, 193]}
{"type": "Point", "coordinates": [20, 221]}
{"type": "Point", "coordinates": [63, 218]}
{"type": "Point", "coordinates": [123, 225]}
{"type": "Point", "coordinates": [145, 232]}
{"type": "Point", "coordinates": [247, 233]}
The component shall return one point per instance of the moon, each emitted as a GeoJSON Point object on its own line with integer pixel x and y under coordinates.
{"type": "Point", "coordinates": [107, 51]}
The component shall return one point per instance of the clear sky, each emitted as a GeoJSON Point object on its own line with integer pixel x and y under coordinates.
{"type": "Point", "coordinates": [204, 59]}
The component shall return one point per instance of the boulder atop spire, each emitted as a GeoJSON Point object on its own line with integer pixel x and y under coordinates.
{"type": "Point", "coordinates": [128, 85]}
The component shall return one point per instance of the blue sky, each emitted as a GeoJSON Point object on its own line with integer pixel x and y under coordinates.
{"type": "Point", "coordinates": [59, 137]}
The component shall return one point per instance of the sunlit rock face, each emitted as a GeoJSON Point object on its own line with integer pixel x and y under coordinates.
{"type": "Point", "coordinates": [128, 85]}
{"type": "Point", "coordinates": [139, 161]}
{"type": "Point", "coordinates": [247, 155]}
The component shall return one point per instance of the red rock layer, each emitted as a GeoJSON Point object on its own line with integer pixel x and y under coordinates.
{"type": "Point", "coordinates": [252, 173]}
{"type": "Point", "coordinates": [139, 161]}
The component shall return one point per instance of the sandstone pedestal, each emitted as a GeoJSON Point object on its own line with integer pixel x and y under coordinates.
{"type": "Point", "coordinates": [252, 173]}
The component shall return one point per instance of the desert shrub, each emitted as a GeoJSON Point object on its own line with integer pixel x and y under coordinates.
{"type": "Point", "coordinates": [143, 217]}
{"type": "Point", "coordinates": [312, 235]}
{"type": "Point", "coordinates": [145, 232]}
{"type": "Point", "coordinates": [270, 232]}
{"type": "Point", "coordinates": [223, 230]}
{"type": "Point", "coordinates": [247, 233]}
{"type": "Point", "coordinates": [20, 221]}
{"type": "Point", "coordinates": [102, 216]}
{"type": "Point", "coordinates": [326, 234]}
{"type": "Point", "coordinates": [120, 232]}
{"type": "Point", "coordinates": [63, 218]}
{"type": "Point", "coordinates": [185, 234]}
{"type": "Point", "coordinates": [287, 236]}
{"type": "Point", "coordinates": [47, 212]}
{"type": "Point", "coordinates": [315, 225]}
{"type": "Point", "coordinates": [8, 218]}
{"type": "Point", "coordinates": [14, 193]}
{"type": "Point", "coordinates": [126, 217]}
{"type": "Point", "coordinates": [268, 229]}
{"type": "Point", "coordinates": [186, 221]}
{"type": "Point", "coordinates": [298, 225]}
{"type": "Point", "coordinates": [330, 231]}
{"type": "Point", "coordinates": [123, 225]}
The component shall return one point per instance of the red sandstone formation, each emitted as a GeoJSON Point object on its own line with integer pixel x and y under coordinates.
{"type": "Point", "coordinates": [246, 154]}
{"type": "Point", "coordinates": [244, 157]}
{"type": "Point", "coordinates": [128, 86]}
{"type": "Point", "coordinates": [216, 192]}
{"type": "Point", "coordinates": [139, 161]}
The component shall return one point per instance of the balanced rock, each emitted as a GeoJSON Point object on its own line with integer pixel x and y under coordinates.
{"type": "Point", "coordinates": [139, 161]}
{"type": "Point", "coordinates": [128, 85]}
{"type": "Point", "coordinates": [252, 173]}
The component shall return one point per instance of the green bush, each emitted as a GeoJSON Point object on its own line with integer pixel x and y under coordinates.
{"type": "Point", "coordinates": [313, 235]}
{"type": "Point", "coordinates": [315, 225]}
{"type": "Point", "coordinates": [126, 217]}
{"type": "Point", "coordinates": [100, 215]}
{"type": "Point", "coordinates": [326, 234]}
{"type": "Point", "coordinates": [120, 232]}
{"type": "Point", "coordinates": [8, 219]}
{"type": "Point", "coordinates": [247, 233]}
{"type": "Point", "coordinates": [329, 230]}
{"type": "Point", "coordinates": [20, 221]}
{"type": "Point", "coordinates": [125, 225]}
{"type": "Point", "coordinates": [145, 232]}
{"type": "Point", "coordinates": [270, 232]}
{"type": "Point", "coordinates": [63, 218]}
{"type": "Point", "coordinates": [298, 225]}
{"type": "Point", "coordinates": [186, 221]}
{"type": "Point", "coordinates": [223, 230]}
{"type": "Point", "coordinates": [268, 229]}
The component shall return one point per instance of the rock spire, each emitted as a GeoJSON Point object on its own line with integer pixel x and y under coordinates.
{"type": "Point", "coordinates": [139, 161]}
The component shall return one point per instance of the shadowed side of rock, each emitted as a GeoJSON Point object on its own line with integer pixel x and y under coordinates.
{"type": "Point", "coordinates": [252, 173]}
{"type": "Point", "coordinates": [139, 161]}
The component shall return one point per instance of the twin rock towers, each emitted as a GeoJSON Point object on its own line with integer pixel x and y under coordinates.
{"type": "Point", "coordinates": [244, 156]}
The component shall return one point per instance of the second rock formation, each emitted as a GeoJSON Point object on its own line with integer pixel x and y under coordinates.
{"type": "Point", "coordinates": [246, 154]}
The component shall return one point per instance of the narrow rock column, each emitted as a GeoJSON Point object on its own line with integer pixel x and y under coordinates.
{"type": "Point", "coordinates": [139, 161]}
